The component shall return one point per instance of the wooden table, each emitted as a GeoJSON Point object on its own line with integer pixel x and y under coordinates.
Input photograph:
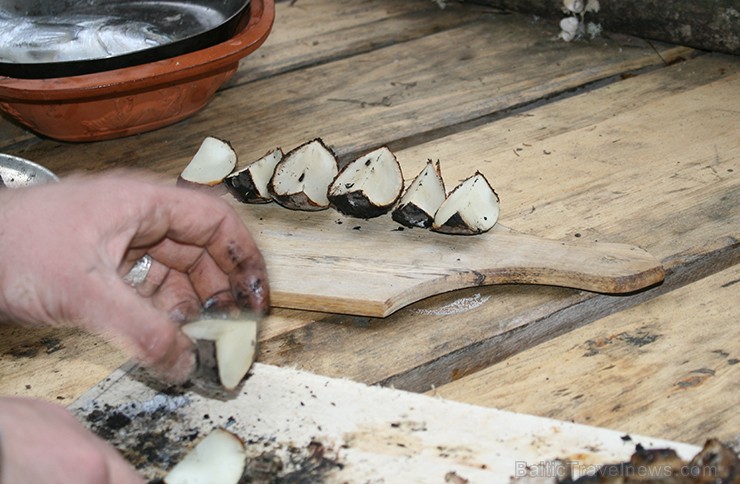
{"type": "Point", "coordinates": [614, 139]}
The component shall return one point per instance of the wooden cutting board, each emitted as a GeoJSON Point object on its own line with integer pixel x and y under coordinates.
{"type": "Point", "coordinates": [324, 261]}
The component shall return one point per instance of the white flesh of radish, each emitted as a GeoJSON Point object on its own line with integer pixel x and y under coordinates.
{"type": "Point", "coordinates": [474, 202]}
{"type": "Point", "coordinates": [376, 174]}
{"type": "Point", "coordinates": [236, 345]}
{"type": "Point", "coordinates": [213, 161]}
{"type": "Point", "coordinates": [262, 171]}
{"type": "Point", "coordinates": [426, 192]}
{"type": "Point", "coordinates": [305, 172]}
{"type": "Point", "coordinates": [219, 458]}
{"type": "Point", "coordinates": [250, 183]}
{"type": "Point", "coordinates": [235, 351]}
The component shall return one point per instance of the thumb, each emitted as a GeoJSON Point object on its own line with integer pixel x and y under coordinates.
{"type": "Point", "coordinates": [118, 313]}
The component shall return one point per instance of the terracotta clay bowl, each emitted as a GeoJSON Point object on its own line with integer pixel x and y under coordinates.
{"type": "Point", "coordinates": [131, 100]}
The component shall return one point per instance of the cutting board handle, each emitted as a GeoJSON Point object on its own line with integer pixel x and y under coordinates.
{"type": "Point", "coordinates": [591, 266]}
{"type": "Point", "coordinates": [376, 272]}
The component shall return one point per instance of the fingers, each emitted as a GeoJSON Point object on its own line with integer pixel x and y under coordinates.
{"type": "Point", "coordinates": [250, 287]}
{"type": "Point", "coordinates": [206, 276]}
{"type": "Point", "coordinates": [44, 442]}
{"type": "Point", "coordinates": [154, 279]}
{"type": "Point", "coordinates": [177, 298]}
{"type": "Point", "coordinates": [120, 471]}
{"type": "Point", "coordinates": [154, 274]}
{"type": "Point", "coordinates": [201, 221]}
{"type": "Point", "coordinates": [203, 236]}
{"type": "Point", "coordinates": [145, 331]}
{"type": "Point", "coordinates": [203, 255]}
{"type": "Point", "coordinates": [206, 279]}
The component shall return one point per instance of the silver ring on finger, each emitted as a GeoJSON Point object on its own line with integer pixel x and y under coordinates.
{"type": "Point", "coordinates": [139, 271]}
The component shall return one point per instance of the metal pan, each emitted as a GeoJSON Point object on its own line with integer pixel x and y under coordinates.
{"type": "Point", "coordinates": [42, 39]}
{"type": "Point", "coordinates": [17, 172]}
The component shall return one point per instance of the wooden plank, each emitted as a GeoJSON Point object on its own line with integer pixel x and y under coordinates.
{"type": "Point", "coordinates": [709, 25]}
{"type": "Point", "coordinates": [375, 98]}
{"type": "Point", "coordinates": [620, 171]}
{"type": "Point", "coordinates": [312, 32]}
{"type": "Point", "coordinates": [609, 165]}
{"type": "Point", "coordinates": [362, 431]}
{"type": "Point", "coordinates": [52, 363]}
{"type": "Point", "coordinates": [633, 370]}
{"type": "Point", "coordinates": [11, 133]}
{"type": "Point", "coordinates": [374, 268]}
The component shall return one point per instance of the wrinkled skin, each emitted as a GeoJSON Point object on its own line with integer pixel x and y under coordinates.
{"type": "Point", "coordinates": [65, 248]}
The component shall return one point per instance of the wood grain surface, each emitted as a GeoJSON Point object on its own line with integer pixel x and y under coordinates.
{"type": "Point", "coordinates": [667, 367]}
{"type": "Point", "coordinates": [614, 141]}
{"type": "Point", "coordinates": [375, 267]}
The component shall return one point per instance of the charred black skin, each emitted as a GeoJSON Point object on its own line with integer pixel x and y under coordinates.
{"type": "Point", "coordinates": [356, 204]}
{"type": "Point", "coordinates": [207, 365]}
{"type": "Point", "coordinates": [456, 225]}
{"type": "Point", "coordinates": [205, 381]}
{"type": "Point", "coordinates": [412, 216]}
{"type": "Point", "coordinates": [241, 186]}
{"type": "Point", "coordinates": [297, 202]}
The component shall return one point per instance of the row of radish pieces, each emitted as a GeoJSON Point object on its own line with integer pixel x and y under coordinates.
{"type": "Point", "coordinates": [308, 178]}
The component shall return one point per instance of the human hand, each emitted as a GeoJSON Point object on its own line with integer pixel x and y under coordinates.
{"type": "Point", "coordinates": [66, 246]}
{"type": "Point", "coordinates": [42, 443]}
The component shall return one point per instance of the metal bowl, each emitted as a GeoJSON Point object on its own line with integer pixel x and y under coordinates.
{"type": "Point", "coordinates": [17, 172]}
{"type": "Point", "coordinates": [49, 38]}
{"type": "Point", "coordinates": [132, 100]}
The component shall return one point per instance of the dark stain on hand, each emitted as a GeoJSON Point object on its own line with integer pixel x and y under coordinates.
{"type": "Point", "coordinates": [186, 310]}
{"type": "Point", "coordinates": [249, 284]}
{"type": "Point", "coordinates": [221, 303]}
{"type": "Point", "coordinates": [236, 254]}
{"type": "Point", "coordinates": [251, 292]}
